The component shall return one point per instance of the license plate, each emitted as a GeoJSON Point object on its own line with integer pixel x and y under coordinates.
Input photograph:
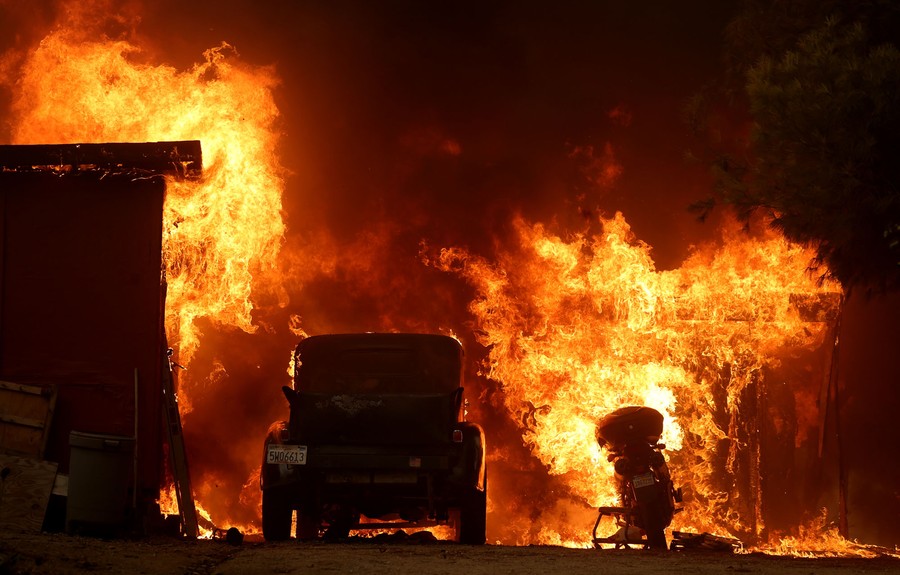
{"type": "Point", "coordinates": [643, 480]}
{"type": "Point", "coordinates": [278, 454]}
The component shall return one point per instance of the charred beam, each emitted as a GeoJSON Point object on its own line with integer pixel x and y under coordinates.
{"type": "Point", "coordinates": [182, 159]}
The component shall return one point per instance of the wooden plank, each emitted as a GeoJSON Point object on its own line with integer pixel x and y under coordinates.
{"type": "Point", "coordinates": [25, 486]}
{"type": "Point", "coordinates": [29, 389]}
{"type": "Point", "coordinates": [23, 421]}
{"type": "Point", "coordinates": [25, 415]}
{"type": "Point", "coordinates": [178, 456]}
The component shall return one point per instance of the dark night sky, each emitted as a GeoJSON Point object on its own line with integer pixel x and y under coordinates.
{"type": "Point", "coordinates": [517, 85]}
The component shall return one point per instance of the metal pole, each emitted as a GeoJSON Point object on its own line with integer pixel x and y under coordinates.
{"type": "Point", "coordinates": [136, 416]}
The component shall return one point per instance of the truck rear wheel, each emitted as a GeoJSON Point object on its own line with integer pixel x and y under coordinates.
{"type": "Point", "coordinates": [276, 514]}
{"type": "Point", "coordinates": [472, 519]}
{"type": "Point", "coordinates": [472, 522]}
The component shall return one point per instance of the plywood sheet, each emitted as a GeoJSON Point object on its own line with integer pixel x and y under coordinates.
{"type": "Point", "coordinates": [25, 486]}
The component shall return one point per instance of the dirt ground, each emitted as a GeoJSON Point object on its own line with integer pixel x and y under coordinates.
{"type": "Point", "coordinates": [61, 554]}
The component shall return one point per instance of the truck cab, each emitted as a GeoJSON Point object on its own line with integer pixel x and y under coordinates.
{"type": "Point", "coordinates": [377, 438]}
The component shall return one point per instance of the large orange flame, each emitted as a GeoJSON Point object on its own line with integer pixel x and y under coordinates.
{"type": "Point", "coordinates": [222, 235]}
{"type": "Point", "coordinates": [581, 325]}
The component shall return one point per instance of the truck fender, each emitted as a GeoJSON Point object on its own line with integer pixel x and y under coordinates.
{"type": "Point", "coordinates": [473, 454]}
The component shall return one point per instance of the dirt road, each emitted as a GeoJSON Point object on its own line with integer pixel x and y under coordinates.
{"type": "Point", "coordinates": [60, 554]}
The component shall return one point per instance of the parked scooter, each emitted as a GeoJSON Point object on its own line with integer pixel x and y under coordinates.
{"type": "Point", "coordinates": [646, 492]}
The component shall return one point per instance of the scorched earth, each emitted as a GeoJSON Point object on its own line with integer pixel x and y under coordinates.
{"type": "Point", "coordinates": [60, 554]}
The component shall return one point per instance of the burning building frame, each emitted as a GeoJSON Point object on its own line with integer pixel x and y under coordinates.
{"type": "Point", "coordinates": [83, 303]}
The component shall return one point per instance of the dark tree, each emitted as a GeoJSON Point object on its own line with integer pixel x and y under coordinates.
{"type": "Point", "coordinates": [820, 156]}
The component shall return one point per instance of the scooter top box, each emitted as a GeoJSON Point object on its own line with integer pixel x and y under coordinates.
{"type": "Point", "coordinates": [627, 424]}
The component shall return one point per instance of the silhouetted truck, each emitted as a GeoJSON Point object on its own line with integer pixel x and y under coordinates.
{"type": "Point", "coordinates": [377, 439]}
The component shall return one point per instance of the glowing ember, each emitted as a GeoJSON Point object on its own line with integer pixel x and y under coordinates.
{"type": "Point", "coordinates": [168, 501]}
{"type": "Point", "coordinates": [819, 539]}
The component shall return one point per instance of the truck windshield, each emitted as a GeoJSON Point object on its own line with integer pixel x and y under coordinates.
{"type": "Point", "coordinates": [387, 369]}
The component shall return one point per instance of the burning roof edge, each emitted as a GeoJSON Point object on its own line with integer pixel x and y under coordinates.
{"type": "Point", "coordinates": [182, 159]}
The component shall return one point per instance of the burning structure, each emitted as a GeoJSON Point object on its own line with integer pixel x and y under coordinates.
{"type": "Point", "coordinates": [599, 327]}
{"type": "Point", "coordinates": [563, 318]}
{"type": "Point", "coordinates": [82, 296]}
